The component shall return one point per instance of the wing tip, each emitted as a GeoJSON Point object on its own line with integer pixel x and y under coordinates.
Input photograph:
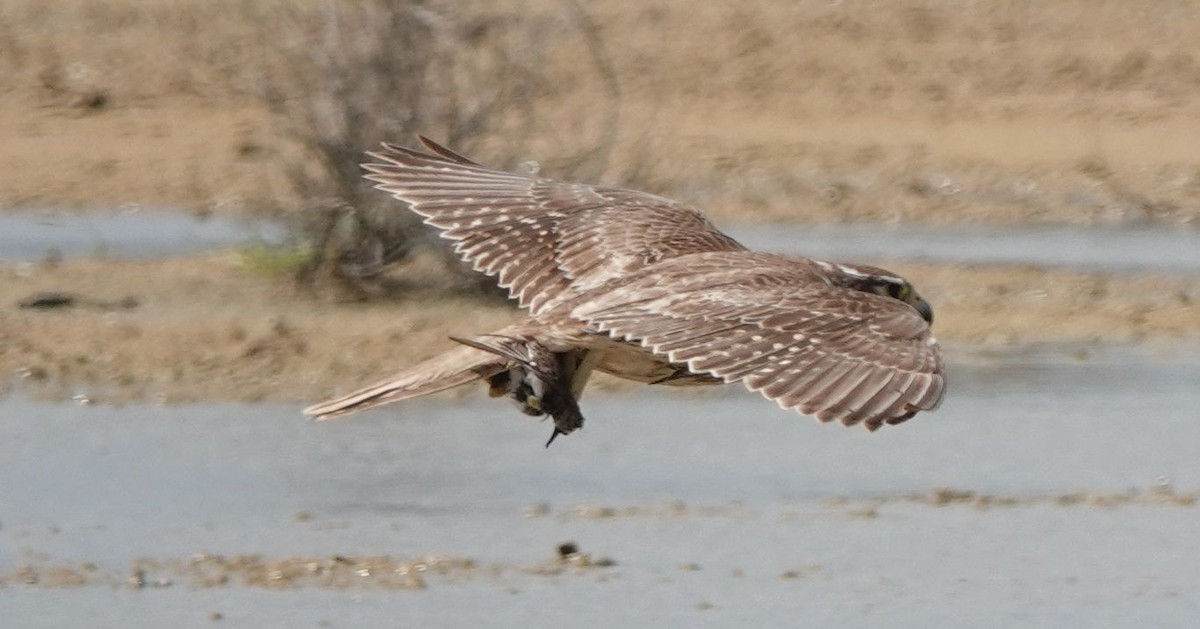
{"type": "Point", "coordinates": [445, 153]}
{"type": "Point", "coordinates": [398, 155]}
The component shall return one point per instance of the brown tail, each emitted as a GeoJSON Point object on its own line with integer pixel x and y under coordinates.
{"type": "Point", "coordinates": [447, 370]}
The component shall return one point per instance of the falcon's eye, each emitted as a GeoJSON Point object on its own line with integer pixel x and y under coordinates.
{"type": "Point", "coordinates": [898, 291]}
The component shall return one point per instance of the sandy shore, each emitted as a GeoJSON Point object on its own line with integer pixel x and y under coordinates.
{"type": "Point", "coordinates": [1073, 111]}
{"type": "Point", "coordinates": [209, 328]}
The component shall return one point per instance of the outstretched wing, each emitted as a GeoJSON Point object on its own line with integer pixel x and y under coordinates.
{"type": "Point", "coordinates": [774, 324]}
{"type": "Point", "coordinates": [545, 241]}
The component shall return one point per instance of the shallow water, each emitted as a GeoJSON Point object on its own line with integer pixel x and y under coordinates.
{"type": "Point", "coordinates": [1170, 250]}
{"type": "Point", "coordinates": [717, 509]}
{"type": "Point", "coordinates": [28, 235]}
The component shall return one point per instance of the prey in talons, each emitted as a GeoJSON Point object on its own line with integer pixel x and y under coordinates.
{"type": "Point", "coordinates": [537, 379]}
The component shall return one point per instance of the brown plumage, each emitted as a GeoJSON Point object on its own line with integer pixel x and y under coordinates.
{"type": "Point", "coordinates": [646, 288]}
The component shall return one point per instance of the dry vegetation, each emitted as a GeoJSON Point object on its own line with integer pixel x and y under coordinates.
{"type": "Point", "coordinates": [347, 75]}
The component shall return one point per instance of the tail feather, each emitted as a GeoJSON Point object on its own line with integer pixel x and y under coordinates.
{"type": "Point", "coordinates": [450, 369]}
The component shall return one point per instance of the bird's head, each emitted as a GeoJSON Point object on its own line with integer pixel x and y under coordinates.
{"type": "Point", "coordinates": [869, 279]}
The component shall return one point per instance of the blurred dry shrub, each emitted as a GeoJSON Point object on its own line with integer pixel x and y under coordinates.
{"type": "Point", "coordinates": [349, 74]}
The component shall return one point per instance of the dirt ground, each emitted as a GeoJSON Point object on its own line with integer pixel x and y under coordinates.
{"type": "Point", "coordinates": [1001, 111]}
{"type": "Point", "coordinates": [936, 111]}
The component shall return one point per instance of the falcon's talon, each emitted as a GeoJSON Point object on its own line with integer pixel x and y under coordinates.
{"type": "Point", "coordinates": [648, 289]}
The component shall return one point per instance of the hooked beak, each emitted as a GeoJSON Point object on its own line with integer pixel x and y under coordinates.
{"type": "Point", "coordinates": [925, 309]}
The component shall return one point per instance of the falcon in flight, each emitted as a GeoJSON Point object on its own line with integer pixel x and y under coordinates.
{"type": "Point", "coordinates": [647, 289]}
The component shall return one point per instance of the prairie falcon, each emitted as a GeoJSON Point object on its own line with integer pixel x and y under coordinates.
{"type": "Point", "coordinates": [647, 289]}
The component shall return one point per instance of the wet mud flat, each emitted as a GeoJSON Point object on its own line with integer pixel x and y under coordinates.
{"type": "Point", "coordinates": [1051, 488]}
